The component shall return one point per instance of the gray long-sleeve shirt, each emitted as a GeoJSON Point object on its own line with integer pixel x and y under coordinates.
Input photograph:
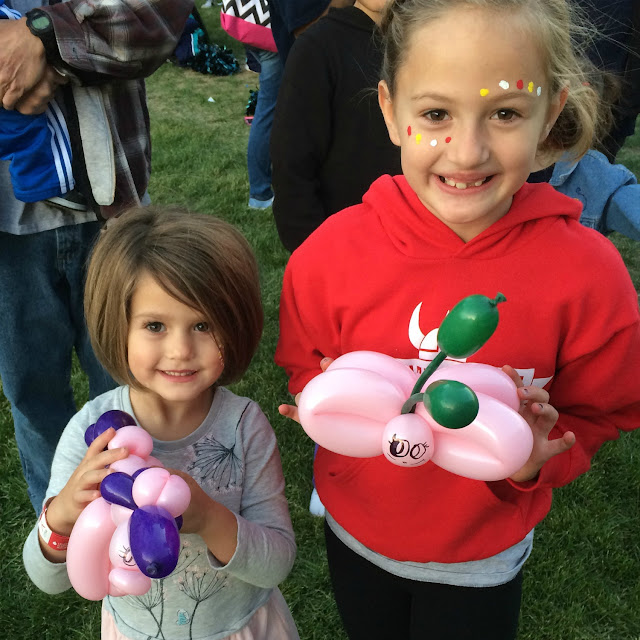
{"type": "Point", "coordinates": [234, 457]}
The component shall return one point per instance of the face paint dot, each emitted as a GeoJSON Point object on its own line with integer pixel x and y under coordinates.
{"type": "Point", "coordinates": [409, 131]}
{"type": "Point", "coordinates": [418, 138]}
{"type": "Point", "coordinates": [503, 84]}
{"type": "Point", "coordinates": [484, 92]}
{"type": "Point", "coordinates": [433, 143]}
{"type": "Point", "coordinates": [520, 84]}
{"type": "Point", "coordinates": [447, 140]}
{"type": "Point", "coordinates": [539, 90]}
{"type": "Point", "coordinates": [530, 87]}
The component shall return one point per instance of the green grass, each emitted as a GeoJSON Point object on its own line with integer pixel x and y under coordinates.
{"type": "Point", "coordinates": [581, 582]}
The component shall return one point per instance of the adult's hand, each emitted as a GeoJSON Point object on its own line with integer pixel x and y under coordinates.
{"type": "Point", "coordinates": [36, 99]}
{"type": "Point", "coordinates": [22, 61]}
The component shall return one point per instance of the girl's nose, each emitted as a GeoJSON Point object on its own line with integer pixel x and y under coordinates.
{"type": "Point", "coordinates": [180, 346]}
{"type": "Point", "coordinates": [469, 146]}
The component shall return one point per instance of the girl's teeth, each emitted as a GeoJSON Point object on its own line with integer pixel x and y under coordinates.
{"type": "Point", "coordinates": [463, 185]}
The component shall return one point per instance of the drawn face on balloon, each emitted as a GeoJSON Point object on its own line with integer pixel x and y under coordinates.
{"type": "Point", "coordinates": [407, 441]}
{"type": "Point", "coordinates": [402, 452]}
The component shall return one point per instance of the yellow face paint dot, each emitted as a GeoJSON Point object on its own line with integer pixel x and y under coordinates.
{"type": "Point", "coordinates": [484, 92]}
{"type": "Point", "coordinates": [530, 87]}
{"type": "Point", "coordinates": [418, 138]}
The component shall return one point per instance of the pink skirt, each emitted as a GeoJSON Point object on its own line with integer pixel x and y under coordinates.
{"type": "Point", "coordinates": [272, 620]}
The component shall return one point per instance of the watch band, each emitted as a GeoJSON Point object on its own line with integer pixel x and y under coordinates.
{"type": "Point", "coordinates": [40, 24]}
{"type": "Point", "coordinates": [54, 540]}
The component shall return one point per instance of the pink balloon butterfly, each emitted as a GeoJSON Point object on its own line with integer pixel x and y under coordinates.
{"type": "Point", "coordinates": [354, 408]}
{"type": "Point", "coordinates": [130, 534]}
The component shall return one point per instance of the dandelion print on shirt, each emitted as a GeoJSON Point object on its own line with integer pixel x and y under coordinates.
{"type": "Point", "coordinates": [217, 463]}
{"type": "Point", "coordinates": [195, 582]}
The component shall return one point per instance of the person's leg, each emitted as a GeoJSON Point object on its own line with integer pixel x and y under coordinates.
{"type": "Point", "coordinates": [39, 333]}
{"type": "Point", "coordinates": [442, 612]}
{"type": "Point", "coordinates": [258, 156]}
{"type": "Point", "coordinates": [373, 604]}
{"type": "Point", "coordinates": [84, 237]}
{"type": "Point", "coordinates": [35, 351]}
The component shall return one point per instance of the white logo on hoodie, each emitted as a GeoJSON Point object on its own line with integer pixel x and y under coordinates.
{"type": "Point", "coordinates": [427, 346]}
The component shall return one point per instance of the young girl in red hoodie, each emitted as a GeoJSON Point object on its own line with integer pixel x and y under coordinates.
{"type": "Point", "coordinates": [472, 92]}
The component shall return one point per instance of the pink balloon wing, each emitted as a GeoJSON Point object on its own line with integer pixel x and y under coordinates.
{"type": "Point", "coordinates": [345, 410]}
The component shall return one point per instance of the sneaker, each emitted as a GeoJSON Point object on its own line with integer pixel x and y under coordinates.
{"type": "Point", "coordinates": [70, 200]}
{"type": "Point", "coordinates": [254, 203]}
{"type": "Point", "coordinates": [316, 508]}
{"type": "Point", "coordinates": [207, 5]}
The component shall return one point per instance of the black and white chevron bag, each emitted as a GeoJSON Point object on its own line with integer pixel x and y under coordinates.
{"type": "Point", "coordinates": [249, 22]}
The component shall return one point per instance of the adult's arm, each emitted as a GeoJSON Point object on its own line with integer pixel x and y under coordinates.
{"type": "Point", "coordinates": [105, 39]}
{"type": "Point", "coordinates": [22, 61]}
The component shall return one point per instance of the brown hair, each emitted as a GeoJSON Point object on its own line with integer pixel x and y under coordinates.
{"type": "Point", "coordinates": [200, 260]}
{"type": "Point", "coordinates": [585, 118]}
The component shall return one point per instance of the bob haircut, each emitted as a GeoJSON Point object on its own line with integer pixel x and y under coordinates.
{"type": "Point", "coordinates": [562, 36]}
{"type": "Point", "coordinates": [200, 260]}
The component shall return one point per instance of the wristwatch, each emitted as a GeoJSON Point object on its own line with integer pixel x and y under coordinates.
{"type": "Point", "coordinates": [40, 24]}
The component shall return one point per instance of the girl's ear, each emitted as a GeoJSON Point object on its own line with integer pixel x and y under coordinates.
{"type": "Point", "coordinates": [386, 106]}
{"type": "Point", "coordinates": [555, 109]}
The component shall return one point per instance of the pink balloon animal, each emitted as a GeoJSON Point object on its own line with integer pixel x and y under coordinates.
{"type": "Point", "coordinates": [354, 408]}
{"type": "Point", "coordinates": [129, 535]}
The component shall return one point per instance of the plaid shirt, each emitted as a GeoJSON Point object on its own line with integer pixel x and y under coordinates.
{"type": "Point", "coordinates": [115, 44]}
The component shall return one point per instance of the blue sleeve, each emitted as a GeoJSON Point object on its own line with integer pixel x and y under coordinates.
{"type": "Point", "coordinates": [623, 213]}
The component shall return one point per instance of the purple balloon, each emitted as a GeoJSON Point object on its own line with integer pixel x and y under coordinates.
{"type": "Point", "coordinates": [139, 471]}
{"type": "Point", "coordinates": [89, 435]}
{"type": "Point", "coordinates": [114, 418]}
{"type": "Point", "coordinates": [155, 541]}
{"type": "Point", "coordinates": [116, 488]}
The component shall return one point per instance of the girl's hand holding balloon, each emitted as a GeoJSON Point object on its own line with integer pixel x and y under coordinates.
{"type": "Point", "coordinates": [291, 410]}
{"type": "Point", "coordinates": [541, 417]}
{"type": "Point", "coordinates": [213, 522]}
{"type": "Point", "coordinates": [82, 488]}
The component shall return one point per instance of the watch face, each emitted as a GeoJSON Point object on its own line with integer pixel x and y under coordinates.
{"type": "Point", "coordinates": [41, 23]}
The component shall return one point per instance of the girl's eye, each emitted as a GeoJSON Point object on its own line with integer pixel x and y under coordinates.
{"type": "Point", "coordinates": [505, 114]}
{"type": "Point", "coordinates": [436, 115]}
{"type": "Point", "coordinates": [155, 327]}
{"type": "Point", "coordinates": [202, 326]}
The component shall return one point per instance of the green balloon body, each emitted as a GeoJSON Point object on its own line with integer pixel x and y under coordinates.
{"type": "Point", "coordinates": [469, 325]}
{"type": "Point", "coordinates": [451, 403]}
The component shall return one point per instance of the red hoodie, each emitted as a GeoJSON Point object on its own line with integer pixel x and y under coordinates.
{"type": "Point", "coordinates": [570, 322]}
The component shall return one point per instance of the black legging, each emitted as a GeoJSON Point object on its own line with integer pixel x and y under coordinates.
{"type": "Point", "coordinates": [376, 605]}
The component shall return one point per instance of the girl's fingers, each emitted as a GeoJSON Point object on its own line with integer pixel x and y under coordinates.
{"type": "Point", "coordinates": [546, 415]}
{"type": "Point", "coordinates": [94, 477]}
{"type": "Point", "coordinates": [86, 496]}
{"type": "Point", "coordinates": [101, 442]}
{"type": "Point", "coordinates": [560, 445]}
{"type": "Point", "coordinates": [289, 411]}
{"type": "Point", "coordinates": [513, 374]}
{"type": "Point", "coordinates": [533, 394]}
{"type": "Point", "coordinates": [110, 455]}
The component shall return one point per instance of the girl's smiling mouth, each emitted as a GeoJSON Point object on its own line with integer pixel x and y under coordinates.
{"type": "Point", "coordinates": [458, 184]}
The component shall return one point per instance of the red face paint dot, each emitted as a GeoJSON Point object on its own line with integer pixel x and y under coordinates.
{"type": "Point", "coordinates": [409, 131]}
{"type": "Point", "coordinates": [447, 140]}
{"type": "Point", "coordinates": [520, 84]}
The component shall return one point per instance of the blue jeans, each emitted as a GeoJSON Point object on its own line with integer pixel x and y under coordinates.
{"type": "Point", "coordinates": [258, 156]}
{"type": "Point", "coordinates": [42, 320]}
